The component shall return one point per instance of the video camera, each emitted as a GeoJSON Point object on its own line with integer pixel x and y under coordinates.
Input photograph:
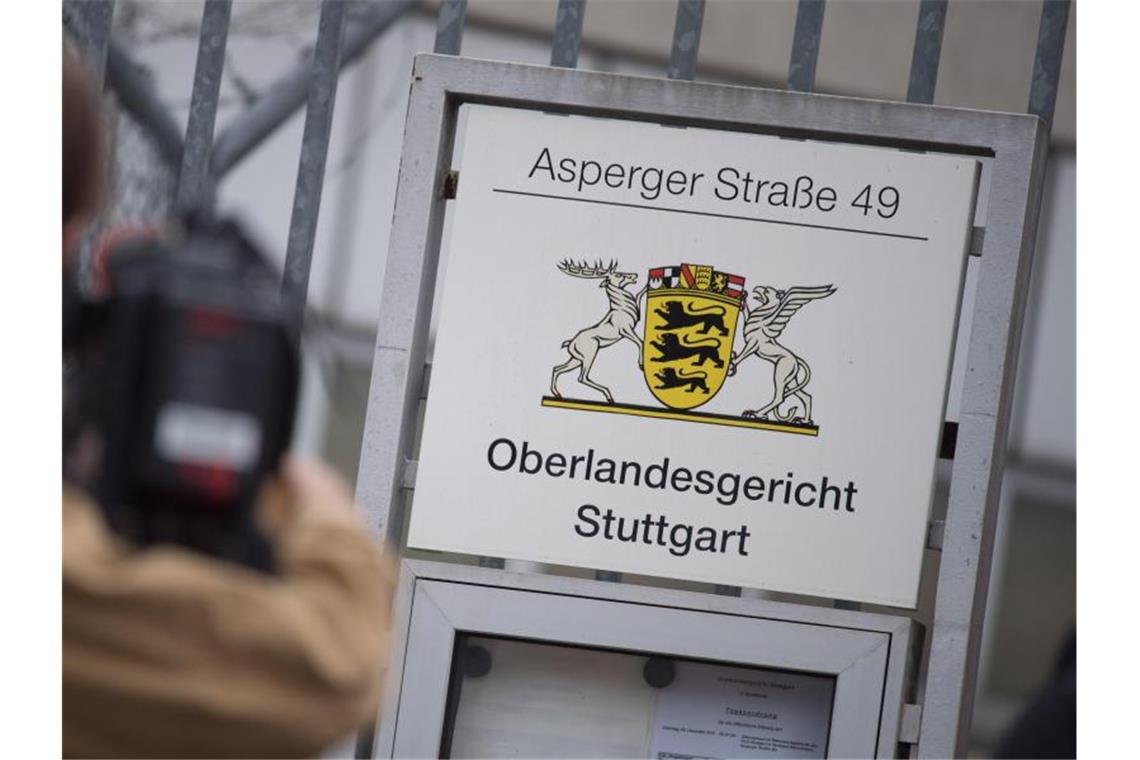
{"type": "Point", "coordinates": [187, 368]}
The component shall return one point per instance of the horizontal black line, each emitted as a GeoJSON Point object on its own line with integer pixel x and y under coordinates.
{"type": "Point", "coordinates": [762, 220]}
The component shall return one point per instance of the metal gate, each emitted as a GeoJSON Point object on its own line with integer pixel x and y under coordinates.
{"type": "Point", "coordinates": [199, 160]}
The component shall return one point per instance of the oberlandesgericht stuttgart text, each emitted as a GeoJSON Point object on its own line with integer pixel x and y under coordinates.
{"type": "Point", "coordinates": [727, 488]}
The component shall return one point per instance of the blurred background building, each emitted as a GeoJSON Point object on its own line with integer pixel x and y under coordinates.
{"type": "Point", "coordinates": [865, 50]}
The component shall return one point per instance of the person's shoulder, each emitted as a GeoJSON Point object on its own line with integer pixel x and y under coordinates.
{"type": "Point", "coordinates": [98, 561]}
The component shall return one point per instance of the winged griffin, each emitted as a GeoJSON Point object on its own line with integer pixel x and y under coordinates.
{"type": "Point", "coordinates": [619, 322]}
{"type": "Point", "coordinates": [764, 323]}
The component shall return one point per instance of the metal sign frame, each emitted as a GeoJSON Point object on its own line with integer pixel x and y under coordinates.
{"type": "Point", "coordinates": [866, 653]}
{"type": "Point", "coordinates": [1015, 149]}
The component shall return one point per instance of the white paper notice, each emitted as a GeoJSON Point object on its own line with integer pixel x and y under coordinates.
{"type": "Point", "coordinates": [693, 353]}
{"type": "Point", "coordinates": [724, 712]}
{"type": "Point", "coordinates": [553, 701]}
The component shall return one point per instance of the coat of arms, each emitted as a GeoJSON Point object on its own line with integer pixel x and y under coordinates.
{"type": "Point", "coordinates": [686, 344]}
{"type": "Point", "coordinates": [690, 321]}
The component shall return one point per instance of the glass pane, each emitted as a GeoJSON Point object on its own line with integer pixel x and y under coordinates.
{"type": "Point", "coordinates": [513, 698]}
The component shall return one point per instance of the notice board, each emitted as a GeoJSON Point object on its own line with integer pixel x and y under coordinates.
{"type": "Point", "coordinates": [693, 353]}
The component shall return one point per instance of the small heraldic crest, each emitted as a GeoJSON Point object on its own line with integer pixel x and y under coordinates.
{"type": "Point", "coordinates": [690, 320]}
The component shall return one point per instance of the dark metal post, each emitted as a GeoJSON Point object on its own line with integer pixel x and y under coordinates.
{"type": "Point", "coordinates": [314, 152]}
{"type": "Point", "coordinates": [449, 26]}
{"type": "Point", "coordinates": [805, 45]}
{"type": "Point", "coordinates": [686, 39]}
{"type": "Point", "coordinates": [567, 33]}
{"type": "Point", "coordinates": [1042, 99]}
{"type": "Point", "coordinates": [193, 179]}
{"type": "Point", "coordinates": [1047, 61]}
{"type": "Point", "coordinates": [564, 54]}
{"type": "Point", "coordinates": [927, 51]}
{"type": "Point", "coordinates": [90, 23]}
{"type": "Point", "coordinates": [448, 37]}
{"type": "Point", "coordinates": [567, 42]}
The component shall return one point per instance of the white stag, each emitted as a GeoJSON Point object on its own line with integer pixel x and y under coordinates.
{"type": "Point", "coordinates": [619, 322]}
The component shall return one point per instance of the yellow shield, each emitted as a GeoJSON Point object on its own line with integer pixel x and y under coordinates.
{"type": "Point", "coordinates": [690, 320]}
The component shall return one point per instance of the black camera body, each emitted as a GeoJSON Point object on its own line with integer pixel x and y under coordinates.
{"type": "Point", "coordinates": [191, 376]}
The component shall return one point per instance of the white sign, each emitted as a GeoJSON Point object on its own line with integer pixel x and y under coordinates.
{"type": "Point", "coordinates": [693, 353]}
{"type": "Point", "coordinates": [712, 711]}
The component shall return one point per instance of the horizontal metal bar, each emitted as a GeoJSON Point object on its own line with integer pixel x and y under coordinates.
{"type": "Point", "coordinates": [449, 26]}
{"type": "Point", "coordinates": [192, 179]}
{"type": "Point", "coordinates": [314, 155]}
{"type": "Point", "coordinates": [273, 108]}
{"type": "Point", "coordinates": [686, 39]}
{"type": "Point", "coordinates": [567, 33]}
{"type": "Point", "coordinates": [136, 95]}
{"type": "Point", "coordinates": [805, 45]}
{"type": "Point", "coordinates": [927, 51]}
{"type": "Point", "coordinates": [1047, 60]}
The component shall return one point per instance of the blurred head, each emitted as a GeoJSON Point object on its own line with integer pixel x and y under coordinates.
{"type": "Point", "coordinates": [83, 184]}
{"type": "Point", "coordinates": [84, 151]}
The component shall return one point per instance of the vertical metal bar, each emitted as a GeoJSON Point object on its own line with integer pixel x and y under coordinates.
{"type": "Point", "coordinates": [1044, 85]}
{"type": "Point", "coordinates": [90, 23]}
{"type": "Point", "coordinates": [564, 53]}
{"type": "Point", "coordinates": [567, 33]}
{"type": "Point", "coordinates": [449, 26]}
{"type": "Point", "coordinates": [805, 45]}
{"type": "Point", "coordinates": [346, 214]}
{"type": "Point", "coordinates": [314, 153]}
{"type": "Point", "coordinates": [975, 484]}
{"type": "Point", "coordinates": [499, 563]}
{"type": "Point", "coordinates": [686, 39]}
{"type": "Point", "coordinates": [927, 51]}
{"type": "Point", "coordinates": [683, 65]}
{"type": "Point", "coordinates": [442, 39]}
{"type": "Point", "coordinates": [1047, 61]}
{"type": "Point", "coordinates": [194, 177]}
{"type": "Point", "coordinates": [971, 518]}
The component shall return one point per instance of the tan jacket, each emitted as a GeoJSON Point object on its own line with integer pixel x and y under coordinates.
{"type": "Point", "coordinates": [171, 653]}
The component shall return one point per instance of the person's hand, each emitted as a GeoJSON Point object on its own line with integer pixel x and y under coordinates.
{"type": "Point", "coordinates": [312, 484]}
{"type": "Point", "coordinates": [303, 485]}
